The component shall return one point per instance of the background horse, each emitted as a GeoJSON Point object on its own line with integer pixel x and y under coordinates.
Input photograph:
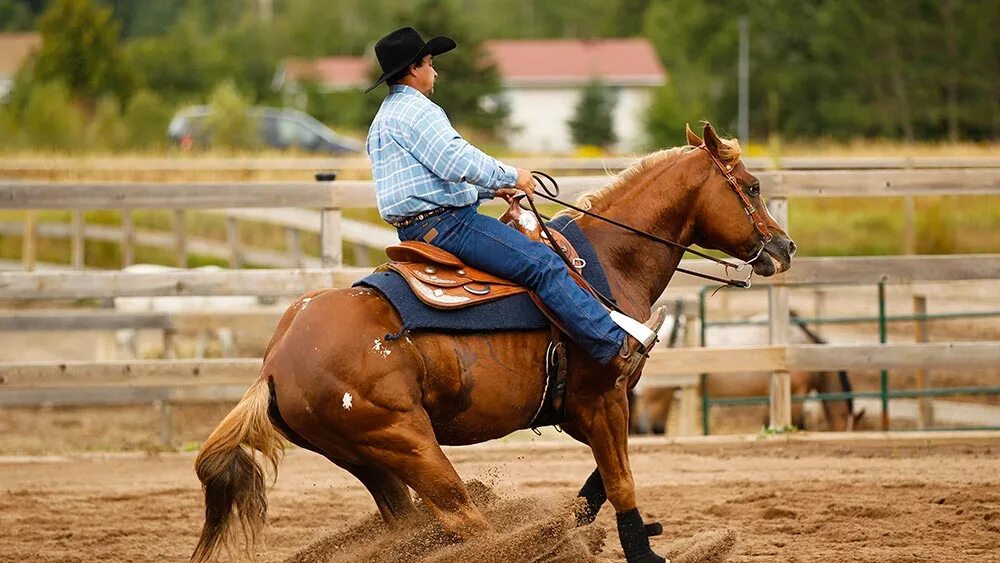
{"type": "Point", "coordinates": [650, 406]}
{"type": "Point", "coordinates": [330, 382]}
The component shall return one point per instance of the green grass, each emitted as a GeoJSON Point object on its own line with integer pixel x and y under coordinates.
{"type": "Point", "coordinates": [875, 226]}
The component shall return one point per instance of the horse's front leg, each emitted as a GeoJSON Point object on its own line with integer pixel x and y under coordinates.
{"type": "Point", "coordinates": [605, 426]}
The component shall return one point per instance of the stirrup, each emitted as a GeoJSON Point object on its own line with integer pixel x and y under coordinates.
{"type": "Point", "coordinates": [634, 359]}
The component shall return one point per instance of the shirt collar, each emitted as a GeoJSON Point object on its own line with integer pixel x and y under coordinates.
{"type": "Point", "coordinates": [403, 89]}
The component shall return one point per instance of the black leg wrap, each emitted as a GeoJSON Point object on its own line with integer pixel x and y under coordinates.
{"type": "Point", "coordinates": [654, 529]}
{"type": "Point", "coordinates": [634, 538]}
{"type": "Point", "coordinates": [593, 492]}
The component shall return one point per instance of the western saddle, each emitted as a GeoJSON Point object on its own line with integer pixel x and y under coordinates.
{"type": "Point", "coordinates": [441, 280]}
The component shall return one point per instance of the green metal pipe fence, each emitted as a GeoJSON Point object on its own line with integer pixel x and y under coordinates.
{"type": "Point", "coordinates": [884, 394]}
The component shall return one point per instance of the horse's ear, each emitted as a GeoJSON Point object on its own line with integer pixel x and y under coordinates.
{"type": "Point", "coordinates": [712, 141]}
{"type": "Point", "coordinates": [692, 139]}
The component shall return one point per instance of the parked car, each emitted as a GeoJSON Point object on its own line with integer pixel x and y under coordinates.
{"type": "Point", "coordinates": [276, 127]}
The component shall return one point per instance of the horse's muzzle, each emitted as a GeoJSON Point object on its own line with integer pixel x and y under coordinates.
{"type": "Point", "coordinates": [776, 258]}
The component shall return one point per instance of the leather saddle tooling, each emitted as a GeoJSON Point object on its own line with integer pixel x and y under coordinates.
{"type": "Point", "coordinates": [440, 280]}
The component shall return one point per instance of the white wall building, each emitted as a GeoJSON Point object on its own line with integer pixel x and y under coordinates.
{"type": "Point", "coordinates": [542, 84]}
{"type": "Point", "coordinates": [544, 79]}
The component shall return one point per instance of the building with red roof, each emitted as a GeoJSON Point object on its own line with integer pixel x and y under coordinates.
{"type": "Point", "coordinates": [15, 48]}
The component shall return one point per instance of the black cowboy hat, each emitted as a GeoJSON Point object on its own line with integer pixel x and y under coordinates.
{"type": "Point", "coordinates": [403, 47]}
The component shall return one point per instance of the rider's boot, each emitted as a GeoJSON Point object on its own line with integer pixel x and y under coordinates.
{"type": "Point", "coordinates": [640, 339]}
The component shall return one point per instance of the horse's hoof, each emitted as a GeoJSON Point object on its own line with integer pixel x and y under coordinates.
{"type": "Point", "coordinates": [634, 536]}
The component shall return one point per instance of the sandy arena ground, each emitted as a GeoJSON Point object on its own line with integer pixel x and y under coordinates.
{"type": "Point", "coordinates": [818, 500]}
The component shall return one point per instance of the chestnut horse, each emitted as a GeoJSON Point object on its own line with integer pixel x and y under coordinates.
{"type": "Point", "coordinates": [331, 384]}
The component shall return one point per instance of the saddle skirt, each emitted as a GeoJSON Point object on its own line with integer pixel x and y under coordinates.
{"type": "Point", "coordinates": [440, 279]}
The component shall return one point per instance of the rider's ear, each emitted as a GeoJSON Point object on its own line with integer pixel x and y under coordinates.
{"type": "Point", "coordinates": [692, 139]}
{"type": "Point", "coordinates": [712, 141]}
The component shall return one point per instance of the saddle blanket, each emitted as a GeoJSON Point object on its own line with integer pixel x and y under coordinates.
{"type": "Point", "coordinates": [517, 312]}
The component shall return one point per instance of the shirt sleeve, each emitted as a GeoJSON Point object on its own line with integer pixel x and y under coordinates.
{"type": "Point", "coordinates": [434, 142]}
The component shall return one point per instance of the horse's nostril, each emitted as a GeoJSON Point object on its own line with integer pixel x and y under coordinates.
{"type": "Point", "coordinates": [791, 248]}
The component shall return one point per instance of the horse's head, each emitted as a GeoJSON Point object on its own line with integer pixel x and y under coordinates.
{"type": "Point", "coordinates": [730, 214]}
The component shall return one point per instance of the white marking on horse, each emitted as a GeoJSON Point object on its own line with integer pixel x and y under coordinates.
{"type": "Point", "coordinates": [528, 221]}
{"type": "Point", "coordinates": [347, 402]}
{"type": "Point", "coordinates": [380, 348]}
{"type": "Point", "coordinates": [305, 301]}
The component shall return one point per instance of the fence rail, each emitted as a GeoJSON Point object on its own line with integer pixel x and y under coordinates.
{"type": "Point", "coordinates": [106, 284]}
{"type": "Point", "coordinates": [341, 194]}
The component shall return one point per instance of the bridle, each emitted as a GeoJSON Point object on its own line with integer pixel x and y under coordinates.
{"type": "Point", "coordinates": [755, 218]}
{"type": "Point", "coordinates": [550, 191]}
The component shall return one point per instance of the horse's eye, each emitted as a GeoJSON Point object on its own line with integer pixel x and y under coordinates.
{"type": "Point", "coordinates": [754, 189]}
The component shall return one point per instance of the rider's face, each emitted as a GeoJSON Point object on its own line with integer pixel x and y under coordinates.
{"type": "Point", "coordinates": [425, 75]}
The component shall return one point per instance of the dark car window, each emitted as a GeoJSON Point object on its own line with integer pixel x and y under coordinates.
{"type": "Point", "coordinates": [268, 126]}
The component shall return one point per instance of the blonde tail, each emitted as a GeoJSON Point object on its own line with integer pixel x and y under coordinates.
{"type": "Point", "coordinates": [232, 479]}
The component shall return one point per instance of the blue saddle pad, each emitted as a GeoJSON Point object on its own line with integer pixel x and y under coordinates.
{"type": "Point", "coordinates": [517, 312]}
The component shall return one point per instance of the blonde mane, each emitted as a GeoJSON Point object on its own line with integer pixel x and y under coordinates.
{"type": "Point", "coordinates": [729, 152]}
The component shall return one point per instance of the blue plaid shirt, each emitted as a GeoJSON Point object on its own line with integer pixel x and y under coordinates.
{"type": "Point", "coordinates": [420, 163]}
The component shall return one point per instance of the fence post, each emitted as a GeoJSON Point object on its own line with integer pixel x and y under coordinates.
{"type": "Point", "coordinates": [233, 238]}
{"type": "Point", "coordinates": [703, 377]}
{"type": "Point", "coordinates": [781, 383]}
{"type": "Point", "coordinates": [909, 225]}
{"type": "Point", "coordinates": [128, 238]}
{"type": "Point", "coordinates": [29, 241]}
{"type": "Point", "coordinates": [819, 311]}
{"type": "Point", "coordinates": [77, 248]}
{"type": "Point", "coordinates": [293, 245]}
{"type": "Point", "coordinates": [926, 418]}
{"type": "Point", "coordinates": [883, 337]}
{"type": "Point", "coordinates": [331, 238]}
{"type": "Point", "coordinates": [689, 393]}
{"type": "Point", "coordinates": [180, 238]}
{"type": "Point", "coordinates": [166, 422]}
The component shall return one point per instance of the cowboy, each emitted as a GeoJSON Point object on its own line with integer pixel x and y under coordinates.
{"type": "Point", "coordinates": [429, 182]}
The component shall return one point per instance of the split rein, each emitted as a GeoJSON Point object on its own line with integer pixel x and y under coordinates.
{"type": "Point", "coordinates": [551, 193]}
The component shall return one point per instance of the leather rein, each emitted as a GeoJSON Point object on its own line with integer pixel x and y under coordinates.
{"type": "Point", "coordinates": [552, 193]}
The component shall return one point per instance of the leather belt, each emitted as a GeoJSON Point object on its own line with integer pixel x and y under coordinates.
{"type": "Point", "coordinates": [402, 223]}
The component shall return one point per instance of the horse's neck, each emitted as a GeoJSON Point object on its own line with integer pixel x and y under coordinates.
{"type": "Point", "coordinates": [637, 268]}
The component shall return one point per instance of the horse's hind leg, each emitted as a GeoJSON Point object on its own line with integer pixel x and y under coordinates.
{"type": "Point", "coordinates": [391, 495]}
{"type": "Point", "coordinates": [412, 454]}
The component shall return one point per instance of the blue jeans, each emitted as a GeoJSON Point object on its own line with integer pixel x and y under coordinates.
{"type": "Point", "coordinates": [487, 244]}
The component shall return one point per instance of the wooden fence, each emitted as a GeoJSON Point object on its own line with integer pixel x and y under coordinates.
{"type": "Point", "coordinates": [166, 381]}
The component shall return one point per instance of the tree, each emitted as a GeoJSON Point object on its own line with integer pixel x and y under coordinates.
{"type": "Point", "coordinates": [142, 18]}
{"type": "Point", "coordinates": [146, 119]}
{"type": "Point", "coordinates": [80, 48]}
{"type": "Point", "coordinates": [230, 125]}
{"type": "Point", "coordinates": [836, 68]}
{"type": "Point", "coordinates": [15, 16]}
{"type": "Point", "coordinates": [51, 120]}
{"type": "Point", "coordinates": [468, 79]}
{"type": "Point", "coordinates": [593, 120]}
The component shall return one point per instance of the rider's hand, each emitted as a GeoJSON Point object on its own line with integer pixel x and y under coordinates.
{"type": "Point", "coordinates": [525, 182]}
{"type": "Point", "coordinates": [507, 193]}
